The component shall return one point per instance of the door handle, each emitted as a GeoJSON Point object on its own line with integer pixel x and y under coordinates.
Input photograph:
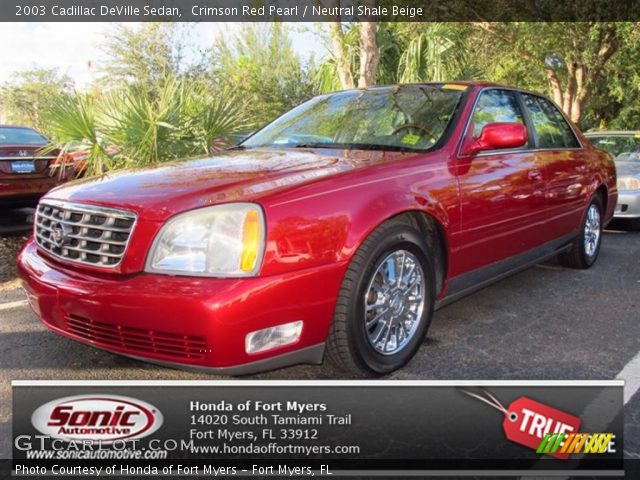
{"type": "Point", "coordinates": [535, 175]}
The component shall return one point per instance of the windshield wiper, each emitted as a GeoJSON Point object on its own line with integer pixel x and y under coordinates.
{"type": "Point", "coordinates": [311, 145]}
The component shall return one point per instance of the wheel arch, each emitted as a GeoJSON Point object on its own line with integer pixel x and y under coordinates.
{"type": "Point", "coordinates": [603, 192]}
{"type": "Point", "coordinates": [436, 239]}
{"type": "Point", "coordinates": [434, 233]}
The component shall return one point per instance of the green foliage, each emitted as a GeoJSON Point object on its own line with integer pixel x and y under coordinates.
{"type": "Point", "coordinates": [259, 63]}
{"type": "Point", "coordinates": [146, 56]}
{"type": "Point", "coordinates": [73, 121]}
{"type": "Point", "coordinates": [409, 53]}
{"type": "Point", "coordinates": [435, 54]}
{"type": "Point", "coordinates": [615, 102]}
{"type": "Point", "coordinates": [125, 127]}
{"type": "Point", "coordinates": [29, 93]}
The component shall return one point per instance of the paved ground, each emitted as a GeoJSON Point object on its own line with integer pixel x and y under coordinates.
{"type": "Point", "coordinates": [545, 323]}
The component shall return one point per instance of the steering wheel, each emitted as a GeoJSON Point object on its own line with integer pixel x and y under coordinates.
{"type": "Point", "coordinates": [412, 126]}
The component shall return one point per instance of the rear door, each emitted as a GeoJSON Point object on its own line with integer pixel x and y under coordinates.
{"type": "Point", "coordinates": [502, 192]}
{"type": "Point", "coordinates": [563, 165]}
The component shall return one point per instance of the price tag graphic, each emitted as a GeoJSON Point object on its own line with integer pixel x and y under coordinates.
{"type": "Point", "coordinates": [526, 421]}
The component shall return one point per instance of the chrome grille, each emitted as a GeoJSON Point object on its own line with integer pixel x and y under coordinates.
{"type": "Point", "coordinates": [84, 234]}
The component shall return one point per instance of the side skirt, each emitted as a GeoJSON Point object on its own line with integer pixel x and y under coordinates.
{"type": "Point", "coordinates": [467, 283]}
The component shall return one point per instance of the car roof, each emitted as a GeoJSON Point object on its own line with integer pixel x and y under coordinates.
{"type": "Point", "coordinates": [467, 83]}
{"type": "Point", "coordinates": [417, 84]}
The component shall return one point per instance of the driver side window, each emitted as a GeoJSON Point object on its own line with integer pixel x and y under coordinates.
{"type": "Point", "coordinates": [496, 106]}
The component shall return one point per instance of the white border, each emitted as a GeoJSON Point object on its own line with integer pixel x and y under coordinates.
{"type": "Point", "coordinates": [317, 383]}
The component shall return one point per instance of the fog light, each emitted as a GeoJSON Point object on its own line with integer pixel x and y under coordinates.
{"type": "Point", "coordinates": [272, 337]}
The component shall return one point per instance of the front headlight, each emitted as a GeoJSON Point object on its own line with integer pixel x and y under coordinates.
{"type": "Point", "coordinates": [219, 241]}
{"type": "Point", "coordinates": [628, 183]}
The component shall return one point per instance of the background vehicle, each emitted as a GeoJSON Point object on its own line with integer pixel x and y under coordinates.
{"type": "Point", "coordinates": [26, 173]}
{"type": "Point", "coordinates": [344, 223]}
{"type": "Point", "coordinates": [625, 148]}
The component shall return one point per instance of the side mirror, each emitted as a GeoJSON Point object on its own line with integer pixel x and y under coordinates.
{"type": "Point", "coordinates": [496, 136]}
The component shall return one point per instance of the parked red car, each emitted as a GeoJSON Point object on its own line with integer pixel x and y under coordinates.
{"type": "Point", "coordinates": [25, 172]}
{"type": "Point", "coordinates": [341, 226]}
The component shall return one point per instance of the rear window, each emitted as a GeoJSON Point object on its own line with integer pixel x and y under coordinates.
{"type": "Point", "coordinates": [21, 136]}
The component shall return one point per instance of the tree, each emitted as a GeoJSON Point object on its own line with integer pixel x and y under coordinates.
{"type": "Point", "coordinates": [615, 100]}
{"type": "Point", "coordinates": [407, 52]}
{"type": "Point", "coordinates": [259, 63]}
{"type": "Point", "coordinates": [343, 61]}
{"type": "Point", "coordinates": [435, 52]}
{"type": "Point", "coordinates": [29, 93]}
{"type": "Point", "coordinates": [147, 55]}
{"type": "Point", "coordinates": [368, 54]}
{"type": "Point", "coordinates": [571, 55]}
{"type": "Point", "coordinates": [126, 128]}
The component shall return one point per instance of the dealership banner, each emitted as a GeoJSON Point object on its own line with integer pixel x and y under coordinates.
{"type": "Point", "coordinates": [317, 10]}
{"type": "Point", "coordinates": [294, 428]}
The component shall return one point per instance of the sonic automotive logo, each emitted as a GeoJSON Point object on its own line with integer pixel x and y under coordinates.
{"type": "Point", "coordinates": [104, 418]}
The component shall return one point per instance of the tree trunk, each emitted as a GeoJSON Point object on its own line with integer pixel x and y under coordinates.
{"type": "Point", "coordinates": [582, 71]}
{"type": "Point", "coordinates": [340, 54]}
{"type": "Point", "coordinates": [580, 94]}
{"type": "Point", "coordinates": [554, 85]}
{"type": "Point", "coordinates": [369, 54]}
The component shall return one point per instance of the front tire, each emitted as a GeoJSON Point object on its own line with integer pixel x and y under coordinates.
{"type": "Point", "coordinates": [586, 247]}
{"type": "Point", "coordinates": [385, 303]}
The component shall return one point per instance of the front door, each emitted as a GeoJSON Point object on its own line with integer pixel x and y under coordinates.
{"type": "Point", "coordinates": [502, 192]}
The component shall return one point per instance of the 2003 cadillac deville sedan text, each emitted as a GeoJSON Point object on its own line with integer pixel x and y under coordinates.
{"type": "Point", "coordinates": [341, 226]}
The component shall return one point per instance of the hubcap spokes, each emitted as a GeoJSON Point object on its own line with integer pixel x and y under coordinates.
{"type": "Point", "coordinates": [592, 231]}
{"type": "Point", "coordinates": [394, 302]}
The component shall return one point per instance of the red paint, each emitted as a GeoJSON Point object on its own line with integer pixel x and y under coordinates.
{"type": "Point", "coordinates": [320, 205]}
{"type": "Point", "coordinates": [499, 135]}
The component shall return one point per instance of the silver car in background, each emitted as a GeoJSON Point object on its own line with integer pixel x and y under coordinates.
{"type": "Point", "coordinates": [624, 146]}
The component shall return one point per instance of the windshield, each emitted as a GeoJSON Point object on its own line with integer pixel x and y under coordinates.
{"type": "Point", "coordinates": [408, 117]}
{"type": "Point", "coordinates": [624, 148]}
{"type": "Point", "coordinates": [21, 136]}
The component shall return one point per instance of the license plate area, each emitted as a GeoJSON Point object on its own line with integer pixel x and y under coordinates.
{"type": "Point", "coordinates": [23, 166]}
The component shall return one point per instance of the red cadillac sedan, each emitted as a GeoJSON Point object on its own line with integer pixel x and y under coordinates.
{"type": "Point", "coordinates": [25, 172]}
{"type": "Point", "coordinates": [339, 228]}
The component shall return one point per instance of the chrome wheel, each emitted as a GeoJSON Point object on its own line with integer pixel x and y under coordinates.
{"type": "Point", "coordinates": [394, 302]}
{"type": "Point", "coordinates": [592, 231]}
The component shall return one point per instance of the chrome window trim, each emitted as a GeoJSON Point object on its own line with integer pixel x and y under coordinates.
{"type": "Point", "coordinates": [90, 209]}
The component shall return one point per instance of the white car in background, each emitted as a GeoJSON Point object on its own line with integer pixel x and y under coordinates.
{"type": "Point", "coordinates": [624, 146]}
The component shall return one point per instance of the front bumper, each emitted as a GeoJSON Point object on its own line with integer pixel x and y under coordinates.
{"type": "Point", "coordinates": [183, 321]}
{"type": "Point", "coordinates": [628, 205]}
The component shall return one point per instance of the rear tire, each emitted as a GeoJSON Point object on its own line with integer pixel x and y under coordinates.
{"type": "Point", "coordinates": [385, 303]}
{"type": "Point", "coordinates": [586, 247]}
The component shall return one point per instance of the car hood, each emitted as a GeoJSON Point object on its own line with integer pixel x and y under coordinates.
{"type": "Point", "coordinates": [628, 168]}
{"type": "Point", "coordinates": [237, 175]}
